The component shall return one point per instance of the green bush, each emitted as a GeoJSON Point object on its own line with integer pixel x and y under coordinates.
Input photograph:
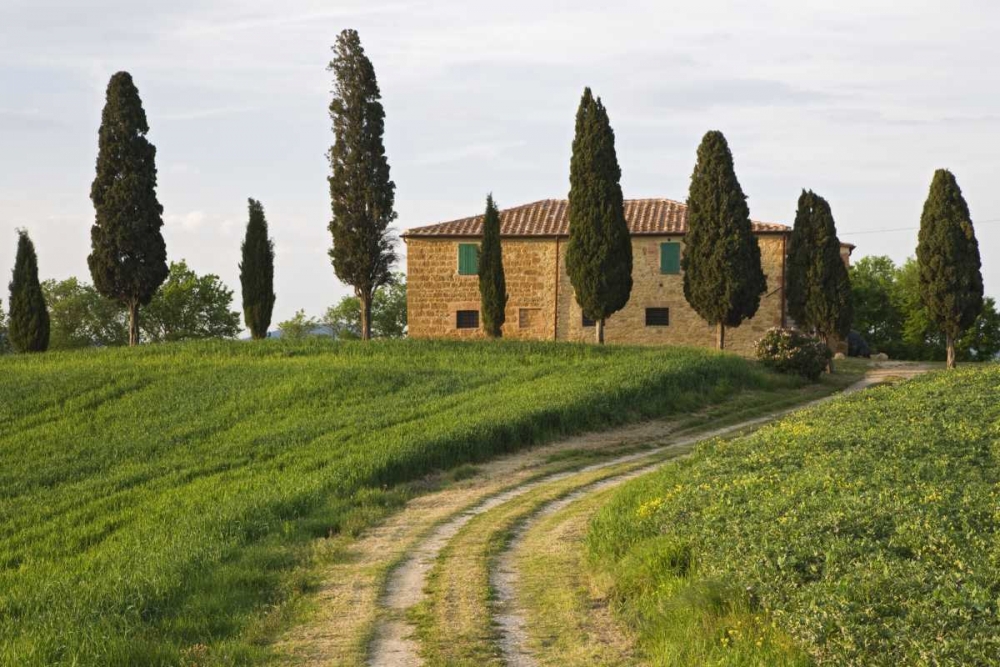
{"type": "Point", "coordinates": [790, 351]}
{"type": "Point", "coordinates": [861, 532]}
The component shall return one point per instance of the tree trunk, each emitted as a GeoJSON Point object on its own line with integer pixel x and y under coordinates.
{"type": "Point", "coordinates": [950, 341]}
{"type": "Point", "coordinates": [720, 336]}
{"type": "Point", "coordinates": [133, 324]}
{"type": "Point", "coordinates": [599, 330]}
{"type": "Point", "coordinates": [829, 363]}
{"type": "Point", "coordinates": [366, 316]}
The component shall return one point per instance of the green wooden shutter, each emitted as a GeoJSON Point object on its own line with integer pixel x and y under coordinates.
{"type": "Point", "coordinates": [468, 259]}
{"type": "Point", "coordinates": [670, 258]}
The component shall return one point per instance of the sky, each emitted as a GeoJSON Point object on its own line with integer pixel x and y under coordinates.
{"type": "Point", "coordinates": [859, 101]}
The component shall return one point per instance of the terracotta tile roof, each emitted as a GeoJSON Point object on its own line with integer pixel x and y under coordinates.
{"type": "Point", "coordinates": [549, 217]}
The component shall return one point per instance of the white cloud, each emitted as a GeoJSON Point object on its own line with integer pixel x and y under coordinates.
{"type": "Point", "coordinates": [189, 222]}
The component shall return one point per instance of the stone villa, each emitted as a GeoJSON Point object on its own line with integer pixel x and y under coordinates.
{"type": "Point", "coordinates": [443, 287]}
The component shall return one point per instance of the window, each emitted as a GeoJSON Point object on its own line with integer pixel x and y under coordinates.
{"type": "Point", "coordinates": [468, 259]}
{"type": "Point", "coordinates": [586, 321]}
{"type": "Point", "coordinates": [657, 317]}
{"type": "Point", "coordinates": [467, 319]}
{"type": "Point", "coordinates": [670, 258]}
{"type": "Point", "coordinates": [529, 318]}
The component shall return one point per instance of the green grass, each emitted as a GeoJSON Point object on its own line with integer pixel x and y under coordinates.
{"type": "Point", "coordinates": [862, 532]}
{"type": "Point", "coordinates": [157, 505]}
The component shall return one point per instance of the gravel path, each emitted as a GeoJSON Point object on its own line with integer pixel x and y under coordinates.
{"type": "Point", "coordinates": [393, 643]}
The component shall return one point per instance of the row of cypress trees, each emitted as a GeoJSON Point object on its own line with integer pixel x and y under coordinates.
{"type": "Point", "coordinates": [723, 278]}
{"type": "Point", "coordinates": [722, 272]}
{"type": "Point", "coordinates": [128, 259]}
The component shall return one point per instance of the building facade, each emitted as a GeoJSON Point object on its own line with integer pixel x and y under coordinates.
{"type": "Point", "coordinates": [443, 286]}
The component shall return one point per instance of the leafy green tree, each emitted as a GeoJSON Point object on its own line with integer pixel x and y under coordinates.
{"type": "Point", "coordinates": [28, 328]}
{"type": "Point", "coordinates": [361, 192]}
{"type": "Point", "coordinates": [819, 294]}
{"type": "Point", "coordinates": [257, 273]}
{"type": "Point", "coordinates": [908, 331]}
{"type": "Point", "coordinates": [877, 316]}
{"type": "Point", "coordinates": [599, 252]}
{"type": "Point", "coordinates": [723, 278]}
{"type": "Point", "coordinates": [189, 306]}
{"type": "Point", "coordinates": [981, 341]}
{"type": "Point", "coordinates": [344, 319]}
{"type": "Point", "coordinates": [388, 313]}
{"type": "Point", "coordinates": [492, 283]}
{"type": "Point", "coordinates": [298, 327]}
{"type": "Point", "coordinates": [81, 317]}
{"type": "Point", "coordinates": [128, 260]}
{"type": "Point", "coordinates": [951, 282]}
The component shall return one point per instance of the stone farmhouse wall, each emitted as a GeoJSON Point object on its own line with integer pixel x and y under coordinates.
{"type": "Point", "coordinates": [541, 302]}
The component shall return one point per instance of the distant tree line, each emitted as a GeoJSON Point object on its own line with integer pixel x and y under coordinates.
{"type": "Point", "coordinates": [343, 320]}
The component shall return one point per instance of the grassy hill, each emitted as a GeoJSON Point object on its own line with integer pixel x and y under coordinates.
{"type": "Point", "coordinates": [156, 500]}
{"type": "Point", "coordinates": [862, 532]}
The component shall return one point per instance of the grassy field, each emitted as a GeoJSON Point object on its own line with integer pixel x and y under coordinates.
{"type": "Point", "coordinates": [157, 504]}
{"type": "Point", "coordinates": [864, 531]}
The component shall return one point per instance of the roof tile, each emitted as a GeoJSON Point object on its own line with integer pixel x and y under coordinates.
{"type": "Point", "coordinates": [550, 217]}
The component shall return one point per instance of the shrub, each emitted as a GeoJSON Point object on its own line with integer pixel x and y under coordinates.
{"type": "Point", "coordinates": [857, 346]}
{"type": "Point", "coordinates": [790, 351]}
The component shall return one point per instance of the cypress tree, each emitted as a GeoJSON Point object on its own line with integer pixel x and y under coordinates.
{"type": "Point", "coordinates": [599, 251]}
{"type": "Point", "coordinates": [361, 192]}
{"type": "Point", "coordinates": [492, 285]}
{"type": "Point", "coordinates": [257, 273]}
{"type": "Point", "coordinates": [128, 259]}
{"type": "Point", "coordinates": [28, 328]}
{"type": "Point", "coordinates": [819, 287]}
{"type": "Point", "coordinates": [951, 284]}
{"type": "Point", "coordinates": [797, 262]}
{"type": "Point", "coordinates": [723, 278]}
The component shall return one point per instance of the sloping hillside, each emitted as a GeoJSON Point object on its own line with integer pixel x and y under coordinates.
{"type": "Point", "coordinates": [157, 504]}
{"type": "Point", "coordinates": [864, 531]}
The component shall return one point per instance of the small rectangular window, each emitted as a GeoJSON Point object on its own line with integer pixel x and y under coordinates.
{"type": "Point", "coordinates": [468, 259]}
{"type": "Point", "coordinates": [467, 319]}
{"type": "Point", "coordinates": [529, 318]}
{"type": "Point", "coordinates": [657, 317]}
{"type": "Point", "coordinates": [586, 321]}
{"type": "Point", "coordinates": [670, 258]}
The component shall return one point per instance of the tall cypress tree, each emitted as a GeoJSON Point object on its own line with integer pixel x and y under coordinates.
{"type": "Point", "coordinates": [819, 287]}
{"type": "Point", "coordinates": [492, 284]}
{"type": "Point", "coordinates": [361, 192]}
{"type": "Point", "coordinates": [951, 282]}
{"type": "Point", "coordinates": [257, 273]}
{"type": "Point", "coordinates": [799, 251]}
{"type": "Point", "coordinates": [723, 278]}
{"type": "Point", "coordinates": [599, 251]}
{"type": "Point", "coordinates": [29, 316]}
{"type": "Point", "coordinates": [128, 259]}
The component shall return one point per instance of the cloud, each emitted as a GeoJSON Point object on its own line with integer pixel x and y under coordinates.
{"type": "Point", "coordinates": [187, 221]}
{"type": "Point", "coordinates": [485, 150]}
{"type": "Point", "coordinates": [710, 93]}
{"type": "Point", "coordinates": [198, 114]}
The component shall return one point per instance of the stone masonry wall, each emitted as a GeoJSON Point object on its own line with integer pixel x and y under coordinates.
{"type": "Point", "coordinates": [436, 292]}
